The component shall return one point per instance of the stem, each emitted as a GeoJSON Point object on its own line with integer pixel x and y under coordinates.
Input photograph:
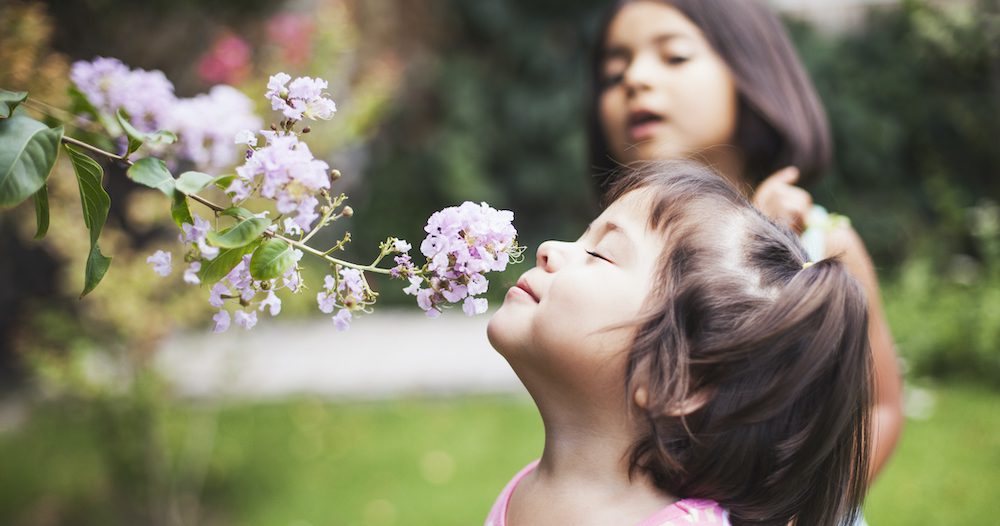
{"type": "Point", "coordinates": [52, 111]}
{"type": "Point", "coordinates": [206, 202]}
{"type": "Point", "coordinates": [313, 251]}
{"type": "Point", "coordinates": [321, 224]}
{"type": "Point", "coordinates": [109, 155]}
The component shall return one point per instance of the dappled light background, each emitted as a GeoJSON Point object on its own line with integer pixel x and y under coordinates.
{"type": "Point", "coordinates": [442, 101]}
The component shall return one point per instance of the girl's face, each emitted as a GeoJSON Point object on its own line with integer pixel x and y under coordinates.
{"type": "Point", "coordinates": [562, 324]}
{"type": "Point", "coordinates": [665, 92]}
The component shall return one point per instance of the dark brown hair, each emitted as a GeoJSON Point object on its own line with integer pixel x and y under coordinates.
{"type": "Point", "coordinates": [777, 353]}
{"type": "Point", "coordinates": [781, 120]}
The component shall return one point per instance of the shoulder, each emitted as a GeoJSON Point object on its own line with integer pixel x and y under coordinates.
{"type": "Point", "coordinates": [844, 242]}
{"type": "Point", "coordinates": [498, 513]}
{"type": "Point", "coordinates": [690, 512]}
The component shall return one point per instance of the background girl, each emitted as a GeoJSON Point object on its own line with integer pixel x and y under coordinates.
{"type": "Point", "coordinates": [719, 80]}
{"type": "Point", "coordinates": [735, 389]}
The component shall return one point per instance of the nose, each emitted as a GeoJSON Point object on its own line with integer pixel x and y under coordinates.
{"type": "Point", "coordinates": [640, 73]}
{"type": "Point", "coordinates": [551, 255]}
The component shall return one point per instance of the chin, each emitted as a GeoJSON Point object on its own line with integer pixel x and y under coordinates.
{"type": "Point", "coordinates": [505, 329]}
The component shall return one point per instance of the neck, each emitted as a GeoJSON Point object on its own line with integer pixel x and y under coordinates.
{"type": "Point", "coordinates": [729, 163]}
{"type": "Point", "coordinates": [588, 441]}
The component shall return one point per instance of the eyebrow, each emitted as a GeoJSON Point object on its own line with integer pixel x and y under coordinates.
{"type": "Point", "coordinates": [609, 227]}
{"type": "Point", "coordinates": [617, 51]}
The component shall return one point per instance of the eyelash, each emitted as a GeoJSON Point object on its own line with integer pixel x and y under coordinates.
{"type": "Point", "coordinates": [598, 256]}
{"type": "Point", "coordinates": [615, 79]}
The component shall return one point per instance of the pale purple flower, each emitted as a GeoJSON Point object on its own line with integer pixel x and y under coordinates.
{"type": "Point", "coordinates": [196, 234]}
{"type": "Point", "coordinates": [462, 243]}
{"type": "Point", "coordinates": [191, 273]}
{"type": "Point", "coordinates": [414, 287]}
{"type": "Point", "coordinates": [272, 303]}
{"type": "Point", "coordinates": [351, 281]}
{"type": "Point", "coordinates": [304, 97]}
{"type": "Point", "coordinates": [326, 301]}
{"type": "Point", "coordinates": [401, 246]}
{"type": "Point", "coordinates": [221, 320]}
{"type": "Point", "coordinates": [287, 173]}
{"type": "Point", "coordinates": [161, 263]}
{"type": "Point", "coordinates": [245, 319]}
{"type": "Point", "coordinates": [246, 137]}
{"type": "Point", "coordinates": [342, 320]}
{"type": "Point", "coordinates": [206, 124]}
{"type": "Point", "coordinates": [215, 298]}
{"type": "Point", "coordinates": [290, 228]}
{"type": "Point", "coordinates": [147, 96]}
{"type": "Point", "coordinates": [292, 279]}
{"type": "Point", "coordinates": [473, 306]}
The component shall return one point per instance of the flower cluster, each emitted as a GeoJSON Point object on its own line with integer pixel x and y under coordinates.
{"type": "Point", "coordinates": [204, 124]}
{"type": "Point", "coordinates": [284, 170]}
{"type": "Point", "coordinates": [462, 244]}
{"type": "Point", "coordinates": [346, 291]}
{"type": "Point", "coordinates": [147, 96]}
{"type": "Point", "coordinates": [302, 98]}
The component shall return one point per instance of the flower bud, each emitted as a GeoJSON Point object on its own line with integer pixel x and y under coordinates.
{"type": "Point", "coordinates": [306, 129]}
{"type": "Point", "coordinates": [334, 175]}
{"type": "Point", "coordinates": [347, 211]}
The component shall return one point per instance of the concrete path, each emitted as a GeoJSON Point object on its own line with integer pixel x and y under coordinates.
{"type": "Point", "coordinates": [388, 353]}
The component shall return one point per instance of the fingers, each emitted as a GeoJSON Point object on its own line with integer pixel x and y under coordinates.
{"type": "Point", "coordinates": [788, 175]}
{"type": "Point", "coordinates": [798, 203]}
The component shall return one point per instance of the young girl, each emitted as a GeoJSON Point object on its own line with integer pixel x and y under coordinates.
{"type": "Point", "coordinates": [718, 80]}
{"type": "Point", "coordinates": [690, 365]}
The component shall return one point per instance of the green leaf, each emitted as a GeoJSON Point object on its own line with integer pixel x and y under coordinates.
{"type": "Point", "coordinates": [96, 203]}
{"type": "Point", "coordinates": [28, 151]}
{"type": "Point", "coordinates": [238, 212]}
{"type": "Point", "coordinates": [223, 181]}
{"type": "Point", "coordinates": [179, 210]}
{"type": "Point", "coordinates": [193, 182]}
{"type": "Point", "coordinates": [97, 266]}
{"type": "Point", "coordinates": [215, 269]}
{"type": "Point", "coordinates": [153, 173]}
{"type": "Point", "coordinates": [135, 137]}
{"type": "Point", "coordinates": [42, 212]}
{"type": "Point", "coordinates": [244, 232]}
{"type": "Point", "coordinates": [161, 137]}
{"type": "Point", "coordinates": [271, 260]}
{"type": "Point", "coordinates": [9, 100]}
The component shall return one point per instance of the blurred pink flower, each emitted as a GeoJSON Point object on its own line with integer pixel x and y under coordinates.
{"type": "Point", "coordinates": [227, 62]}
{"type": "Point", "coordinates": [291, 33]}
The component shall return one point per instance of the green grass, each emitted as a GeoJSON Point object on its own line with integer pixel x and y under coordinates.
{"type": "Point", "coordinates": [417, 462]}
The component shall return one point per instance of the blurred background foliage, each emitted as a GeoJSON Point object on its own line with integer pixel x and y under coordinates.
{"type": "Point", "coordinates": [442, 101]}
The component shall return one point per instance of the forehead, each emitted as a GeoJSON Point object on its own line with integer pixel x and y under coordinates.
{"type": "Point", "coordinates": [641, 22]}
{"type": "Point", "coordinates": [630, 215]}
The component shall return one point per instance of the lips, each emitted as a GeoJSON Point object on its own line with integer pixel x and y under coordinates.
{"type": "Point", "coordinates": [642, 124]}
{"type": "Point", "coordinates": [523, 285]}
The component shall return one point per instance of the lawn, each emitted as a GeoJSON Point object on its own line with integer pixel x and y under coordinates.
{"type": "Point", "coordinates": [425, 462]}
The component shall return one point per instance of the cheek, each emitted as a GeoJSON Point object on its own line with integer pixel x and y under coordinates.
{"type": "Point", "coordinates": [587, 321]}
{"type": "Point", "coordinates": [612, 114]}
{"type": "Point", "coordinates": [711, 99]}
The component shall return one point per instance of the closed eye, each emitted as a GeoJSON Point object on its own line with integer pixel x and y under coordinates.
{"type": "Point", "coordinates": [598, 256]}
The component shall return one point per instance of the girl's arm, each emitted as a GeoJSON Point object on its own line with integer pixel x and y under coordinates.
{"type": "Point", "coordinates": [887, 419]}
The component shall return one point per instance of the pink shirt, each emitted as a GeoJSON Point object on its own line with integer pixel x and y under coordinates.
{"type": "Point", "coordinates": [685, 512]}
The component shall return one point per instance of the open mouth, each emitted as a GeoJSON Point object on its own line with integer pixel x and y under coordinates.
{"type": "Point", "coordinates": [642, 124]}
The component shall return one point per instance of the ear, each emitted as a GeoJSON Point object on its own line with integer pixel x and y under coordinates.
{"type": "Point", "coordinates": [692, 403]}
{"type": "Point", "coordinates": [641, 396]}
{"type": "Point", "coordinates": [685, 407]}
